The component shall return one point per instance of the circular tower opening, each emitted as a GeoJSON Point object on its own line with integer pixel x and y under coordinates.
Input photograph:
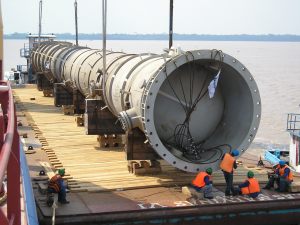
{"type": "Point", "coordinates": [201, 109]}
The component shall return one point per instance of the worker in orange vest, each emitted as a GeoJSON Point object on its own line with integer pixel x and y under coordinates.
{"type": "Point", "coordinates": [228, 164]}
{"type": "Point", "coordinates": [56, 185]}
{"type": "Point", "coordinates": [283, 177]}
{"type": "Point", "coordinates": [203, 183]}
{"type": "Point", "coordinates": [250, 186]}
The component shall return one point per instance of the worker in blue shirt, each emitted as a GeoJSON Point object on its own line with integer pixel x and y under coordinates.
{"type": "Point", "coordinates": [283, 177]}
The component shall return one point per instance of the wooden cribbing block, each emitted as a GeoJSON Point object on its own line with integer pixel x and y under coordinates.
{"type": "Point", "coordinates": [144, 167]}
{"type": "Point", "coordinates": [48, 92]}
{"type": "Point", "coordinates": [79, 119]}
{"type": "Point", "coordinates": [136, 148]}
{"type": "Point", "coordinates": [68, 109]}
{"type": "Point", "coordinates": [79, 190]}
{"type": "Point", "coordinates": [61, 95]}
{"type": "Point", "coordinates": [99, 120]}
{"type": "Point", "coordinates": [191, 192]}
{"type": "Point", "coordinates": [55, 161]}
{"type": "Point", "coordinates": [52, 157]}
{"type": "Point", "coordinates": [294, 187]}
{"type": "Point", "coordinates": [110, 141]}
{"type": "Point", "coordinates": [58, 166]}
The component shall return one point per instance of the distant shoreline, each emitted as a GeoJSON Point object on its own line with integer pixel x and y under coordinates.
{"type": "Point", "coordinates": [165, 37]}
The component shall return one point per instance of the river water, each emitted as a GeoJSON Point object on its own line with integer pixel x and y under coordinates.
{"type": "Point", "coordinates": [274, 65]}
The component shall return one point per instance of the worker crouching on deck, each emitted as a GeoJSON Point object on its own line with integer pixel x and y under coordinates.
{"type": "Point", "coordinates": [56, 185]}
{"type": "Point", "coordinates": [250, 187]}
{"type": "Point", "coordinates": [228, 164]}
{"type": "Point", "coordinates": [283, 177]}
{"type": "Point", "coordinates": [203, 183]}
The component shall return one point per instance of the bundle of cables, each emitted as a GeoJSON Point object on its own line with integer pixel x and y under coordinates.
{"type": "Point", "coordinates": [182, 136]}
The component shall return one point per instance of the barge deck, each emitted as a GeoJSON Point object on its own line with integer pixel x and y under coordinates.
{"type": "Point", "coordinates": [103, 191]}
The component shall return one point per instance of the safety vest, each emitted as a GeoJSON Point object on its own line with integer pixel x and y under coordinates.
{"type": "Point", "coordinates": [54, 184]}
{"type": "Point", "coordinates": [252, 188]}
{"type": "Point", "coordinates": [227, 163]}
{"type": "Point", "coordinates": [281, 173]}
{"type": "Point", "coordinates": [199, 180]}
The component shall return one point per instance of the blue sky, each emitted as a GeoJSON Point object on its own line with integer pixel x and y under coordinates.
{"type": "Point", "coordinates": [151, 16]}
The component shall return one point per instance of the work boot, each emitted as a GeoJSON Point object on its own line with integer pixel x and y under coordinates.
{"type": "Point", "coordinates": [209, 197]}
{"type": "Point", "coordinates": [64, 202]}
{"type": "Point", "coordinates": [266, 188]}
{"type": "Point", "coordinates": [50, 200]}
{"type": "Point", "coordinates": [235, 193]}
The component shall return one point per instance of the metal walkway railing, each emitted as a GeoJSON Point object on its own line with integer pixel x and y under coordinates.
{"type": "Point", "coordinates": [25, 51]}
{"type": "Point", "coordinates": [9, 157]}
{"type": "Point", "coordinates": [30, 206]}
{"type": "Point", "coordinates": [293, 122]}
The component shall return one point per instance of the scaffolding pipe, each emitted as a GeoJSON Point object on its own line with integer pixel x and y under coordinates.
{"type": "Point", "coordinates": [171, 25]}
{"type": "Point", "coordinates": [76, 22]}
{"type": "Point", "coordinates": [104, 17]}
{"type": "Point", "coordinates": [40, 21]}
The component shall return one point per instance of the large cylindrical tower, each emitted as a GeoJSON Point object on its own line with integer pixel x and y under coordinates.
{"type": "Point", "coordinates": [169, 97]}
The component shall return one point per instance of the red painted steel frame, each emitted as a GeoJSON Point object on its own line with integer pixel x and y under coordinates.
{"type": "Point", "coordinates": [10, 158]}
